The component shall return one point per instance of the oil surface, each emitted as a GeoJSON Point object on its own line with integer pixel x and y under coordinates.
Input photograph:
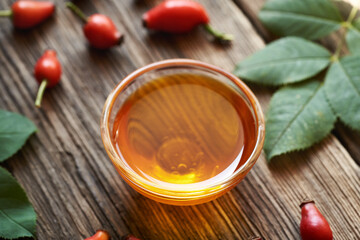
{"type": "Point", "coordinates": [184, 129]}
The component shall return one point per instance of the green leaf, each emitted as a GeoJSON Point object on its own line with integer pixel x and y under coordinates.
{"type": "Point", "coordinates": [14, 131]}
{"type": "Point", "coordinates": [311, 19]}
{"type": "Point", "coordinates": [342, 87]}
{"type": "Point", "coordinates": [298, 117]}
{"type": "Point", "coordinates": [353, 37]}
{"type": "Point", "coordinates": [17, 216]}
{"type": "Point", "coordinates": [287, 60]}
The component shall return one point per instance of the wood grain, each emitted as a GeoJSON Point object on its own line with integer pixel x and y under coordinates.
{"type": "Point", "coordinates": [69, 178]}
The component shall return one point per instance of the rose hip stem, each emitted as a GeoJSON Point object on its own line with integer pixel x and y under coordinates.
{"type": "Point", "coordinates": [180, 16]}
{"type": "Point", "coordinates": [47, 73]}
{"type": "Point", "coordinates": [99, 29]}
{"type": "Point", "coordinates": [77, 11]}
{"type": "Point", "coordinates": [27, 14]}
{"type": "Point", "coordinates": [313, 225]}
{"type": "Point", "coordinates": [218, 35]}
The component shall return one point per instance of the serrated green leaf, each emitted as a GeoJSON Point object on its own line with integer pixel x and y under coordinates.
{"type": "Point", "coordinates": [311, 19]}
{"type": "Point", "coordinates": [298, 117]}
{"type": "Point", "coordinates": [353, 37]}
{"type": "Point", "coordinates": [17, 216]}
{"type": "Point", "coordinates": [287, 60]}
{"type": "Point", "coordinates": [14, 131]}
{"type": "Point", "coordinates": [342, 87]}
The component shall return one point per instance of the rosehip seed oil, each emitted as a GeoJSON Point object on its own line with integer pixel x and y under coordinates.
{"type": "Point", "coordinates": [184, 129]}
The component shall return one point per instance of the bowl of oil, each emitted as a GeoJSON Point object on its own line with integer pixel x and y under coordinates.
{"type": "Point", "coordinates": [181, 131]}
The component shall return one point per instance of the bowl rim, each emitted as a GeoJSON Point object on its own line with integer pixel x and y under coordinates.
{"type": "Point", "coordinates": [142, 184]}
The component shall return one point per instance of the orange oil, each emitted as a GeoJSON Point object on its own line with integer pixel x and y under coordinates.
{"type": "Point", "coordinates": [184, 129]}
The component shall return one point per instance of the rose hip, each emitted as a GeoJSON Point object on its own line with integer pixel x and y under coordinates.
{"type": "Point", "coordinates": [99, 235]}
{"type": "Point", "coordinates": [313, 225]}
{"type": "Point", "coordinates": [99, 29]}
{"type": "Point", "coordinates": [27, 14]}
{"type": "Point", "coordinates": [129, 237]}
{"type": "Point", "coordinates": [180, 16]}
{"type": "Point", "coordinates": [47, 73]}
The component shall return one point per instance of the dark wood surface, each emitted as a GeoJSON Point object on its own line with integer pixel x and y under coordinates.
{"type": "Point", "coordinates": [70, 179]}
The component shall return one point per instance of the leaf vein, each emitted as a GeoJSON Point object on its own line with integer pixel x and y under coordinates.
{"type": "Point", "coordinates": [295, 117]}
{"type": "Point", "coordinates": [11, 220]}
{"type": "Point", "coordinates": [303, 16]}
{"type": "Point", "coordinates": [272, 62]}
{"type": "Point", "coordinates": [349, 78]}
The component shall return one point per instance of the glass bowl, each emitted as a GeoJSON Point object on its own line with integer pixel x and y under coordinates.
{"type": "Point", "coordinates": [178, 194]}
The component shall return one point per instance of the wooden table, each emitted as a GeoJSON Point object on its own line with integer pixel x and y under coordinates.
{"type": "Point", "coordinates": [73, 185]}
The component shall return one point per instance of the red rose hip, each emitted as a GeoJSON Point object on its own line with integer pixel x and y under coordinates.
{"type": "Point", "coordinates": [180, 16]}
{"type": "Point", "coordinates": [129, 237]}
{"type": "Point", "coordinates": [99, 235]}
{"type": "Point", "coordinates": [175, 16]}
{"type": "Point", "coordinates": [313, 225]}
{"type": "Point", "coordinates": [27, 14]}
{"type": "Point", "coordinates": [99, 29]}
{"type": "Point", "coordinates": [47, 73]}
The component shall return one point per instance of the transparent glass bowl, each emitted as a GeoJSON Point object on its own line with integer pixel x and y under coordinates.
{"type": "Point", "coordinates": [182, 194]}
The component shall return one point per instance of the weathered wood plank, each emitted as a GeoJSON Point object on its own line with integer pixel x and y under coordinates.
{"type": "Point", "coordinates": [73, 185]}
